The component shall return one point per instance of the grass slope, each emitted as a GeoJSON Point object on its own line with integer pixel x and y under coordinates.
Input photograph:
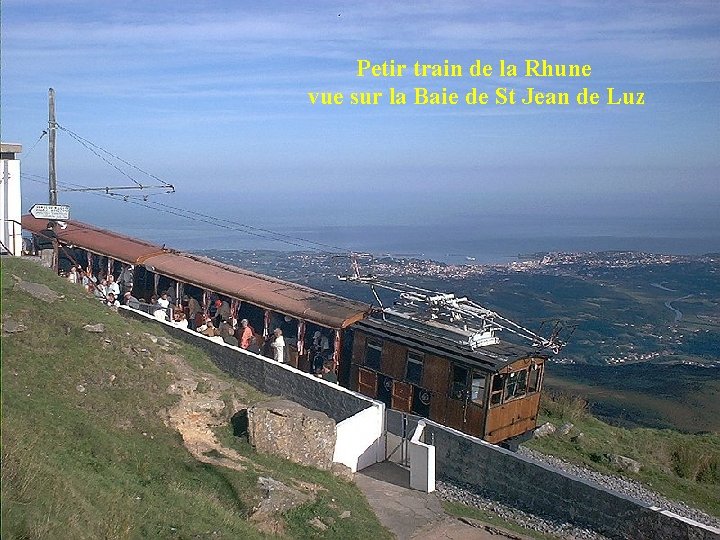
{"type": "Point", "coordinates": [97, 461]}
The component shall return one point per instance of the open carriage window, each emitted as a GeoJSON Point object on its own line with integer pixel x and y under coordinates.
{"type": "Point", "coordinates": [516, 385]}
{"type": "Point", "coordinates": [478, 387]}
{"type": "Point", "coordinates": [373, 353]}
{"type": "Point", "coordinates": [534, 378]}
{"type": "Point", "coordinates": [496, 391]}
{"type": "Point", "coordinates": [414, 367]}
{"type": "Point", "coordinates": [459, 383]}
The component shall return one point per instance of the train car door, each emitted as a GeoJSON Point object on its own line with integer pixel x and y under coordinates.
{"type": "Point", "coordinates": [384, 389]}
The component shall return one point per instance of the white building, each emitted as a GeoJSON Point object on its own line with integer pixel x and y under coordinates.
{"type": "Point", "coordinates": [10, 199]}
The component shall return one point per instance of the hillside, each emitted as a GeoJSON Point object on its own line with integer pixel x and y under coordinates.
{"type": "Point", "coordinates": [90, 447]}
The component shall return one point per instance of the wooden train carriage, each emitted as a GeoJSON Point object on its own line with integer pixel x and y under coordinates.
{"type": "Point", "coordinates": [492, 392]}
{"type": "Point", "coordinates": [266, 301]}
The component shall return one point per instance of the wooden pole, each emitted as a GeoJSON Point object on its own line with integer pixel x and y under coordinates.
{"type": "Point", "coordinates": [52, 132]}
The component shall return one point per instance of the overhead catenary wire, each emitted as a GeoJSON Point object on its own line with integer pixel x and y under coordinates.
{"type": "Point", "coordinates": [99, 151]}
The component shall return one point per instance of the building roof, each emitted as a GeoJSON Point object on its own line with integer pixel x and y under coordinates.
{"type": "Point", "coordinates": [427, 338]}
{"type": "Point", "coordinates": [288, 298]}
{"type": "Point", "coordinates": [6, 149]}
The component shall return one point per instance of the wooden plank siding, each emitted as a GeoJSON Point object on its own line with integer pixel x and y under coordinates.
{"type": "Point", "coordinates": [393, 360]}
{"type": "Point", "coordinates": [436, 375]}
{"type": "Point", "coordinates": [358, 350]}
{"type": "Point", "coordinates": [512, 418]}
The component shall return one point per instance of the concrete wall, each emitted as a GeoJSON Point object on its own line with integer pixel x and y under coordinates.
{"type": "Point", "coordinates": [359, 442]}
{"type": "Point", "coordinates": [359, 420]}
{"type": "Point", "coordinates": [10, 201]}
{"type": "Point", "coordinates": [547, 491]}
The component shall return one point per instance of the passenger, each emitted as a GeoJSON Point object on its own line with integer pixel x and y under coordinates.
{"type": "Point", "coordinates": [130, 301]}
{"type": "Point", "coordinates": [45, 244]}
{"type": "Point", "coordinates": [101, 290]}
{"type": "Point", "coordinates": [226, 332]}
{"type": "Point", "coordinates": [180, 320]}
{"type": "Point", "coordinates": [194, 309]}
{"type": "Point", "coordinates": [319, 351]}
{"type": "Point", "coordinates": [72, 275]}
{"type": "Point", "coordinates": [112, 301]}
{"type": "Point", "coordinates": [112, 286]}
{"type": "Point", "coordinates": [126, 279]}
{"type": "Point", "coordinates": [170, 295]}
{"type": "Point", "coordinates": [278, 346]}
{"type": "Point", "coordinates": [214, 305]}
{"type": "Point", "coordinates": [328, 373]}
{"type": "Point", "coordinates": [163, 301]}
{"type": "Point", "coordinates": [158, 310]}
{"type": "Point", "coordinates": [88, 280]}
{"type": "Point", "coordinates": [247, 335]}
{"type": "Point", "coordinates": [209, 329]}
{"type": "Point", "coordinates": [224, 310]}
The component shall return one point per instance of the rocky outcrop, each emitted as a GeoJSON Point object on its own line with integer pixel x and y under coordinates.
{"type": "Point", "coordinates": [199, 410]}
{"type": "Point", "coordinates": [288, 430]}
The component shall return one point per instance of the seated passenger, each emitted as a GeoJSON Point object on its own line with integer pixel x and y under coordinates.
{"type": "Point", "coordinates": [130, 301]}
{"type": "Point", "coordinates": [112, 301]}
{"type": "Point", "coordinates": [209, 330]}
{"type": "Point", "coordinates": [179, 319]}
{"type": "Point", "coordinates": [328, 373]}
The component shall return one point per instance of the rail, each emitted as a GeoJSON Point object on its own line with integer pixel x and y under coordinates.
{"type": "Point", "coordinates": [16, 225]}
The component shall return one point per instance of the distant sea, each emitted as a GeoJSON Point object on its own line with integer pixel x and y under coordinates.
{"type": "Point", "coordinates": [449, 244]}
{"type": "Point", "coordinates": [452, 231]}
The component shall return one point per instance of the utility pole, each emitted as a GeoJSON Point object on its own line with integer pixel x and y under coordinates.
{"type": "Point", "coordinates": [52, 133]}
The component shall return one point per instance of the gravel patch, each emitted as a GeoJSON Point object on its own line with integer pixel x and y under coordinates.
{"type": "Point", "coordinates": [558, 529]}
{"type": "Point", "coordinates": [623, 486]}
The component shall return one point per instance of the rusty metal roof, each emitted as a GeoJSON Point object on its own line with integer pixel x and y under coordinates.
{"type": "Point", "coordinates": [288, 298]}
{"type": "Point", "coordinates": [99, 241]}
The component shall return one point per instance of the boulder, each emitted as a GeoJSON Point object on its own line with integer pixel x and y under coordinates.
{"type": "Point", "coordinates": [543, 431]}
{"type": "Point", "coordinates": [342, 471]}
{"type": "Point", "coordinates": [565, 428]}
{"type": "Point", "coordinates": [11, 327]}
{"type": "Point", "coordinates": [288, 430]}
{"type": "Point", "coordinates": [98, 328]}
{"type": "Point", "coordinates": [623, 463]}
{"type": "Point", "coordinates": [38, 290]}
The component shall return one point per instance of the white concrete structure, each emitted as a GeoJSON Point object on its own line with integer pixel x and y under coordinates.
{"type": "Point", "coordinates": [422, 462]}
{"type": "Point", "coordinates": [10, 199]}
{"type": "Point", "coordinates": [359, 439]}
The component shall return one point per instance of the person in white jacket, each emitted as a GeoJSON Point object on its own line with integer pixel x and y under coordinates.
{"type": "Point", "coordinates": [278, 346]}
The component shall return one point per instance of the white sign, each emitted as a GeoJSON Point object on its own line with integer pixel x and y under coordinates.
{"type": "Point", "coordinates": [49, 211]}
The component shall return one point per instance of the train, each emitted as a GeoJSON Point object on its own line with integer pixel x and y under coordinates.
{"type": "Point", "coordinates": [422, 366]}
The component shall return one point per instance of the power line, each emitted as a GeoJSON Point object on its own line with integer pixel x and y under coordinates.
{"type": "Point", "coordinates": [96, 149]}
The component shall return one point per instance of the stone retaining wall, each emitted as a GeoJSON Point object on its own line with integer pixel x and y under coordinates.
{"type": "Point", "coordinates": [546, 491]}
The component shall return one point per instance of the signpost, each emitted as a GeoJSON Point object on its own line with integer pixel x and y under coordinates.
{"type": "Point", "coordinates": [59, 212]}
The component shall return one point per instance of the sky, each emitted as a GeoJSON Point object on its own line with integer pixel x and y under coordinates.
{"type": "Point", "coordinates": [212, 97]}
